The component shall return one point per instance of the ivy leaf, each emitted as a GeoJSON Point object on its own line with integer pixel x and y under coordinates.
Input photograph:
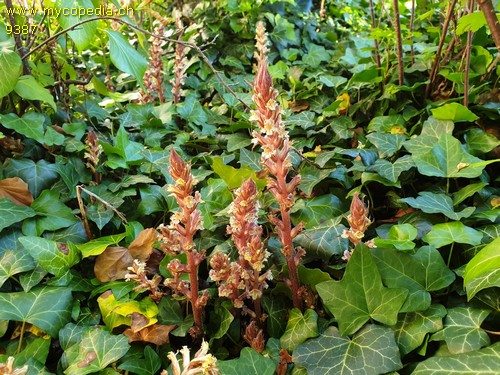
{"type": "Point", "coordinates": [237, 141]}
{"type": "Point", "coordinates": [11, 213]}
{"type": "Point", "coordinates": [52, 256]}
{"type": "Point", "coordinates": [299, 328]}
{"type": "Point", "coordinates": [437, 153]}
{"type": "Point", "coordinates": [392, 171]}
{"type": "Point", "coordinates": [399, 237]}
{"type": "Point", "coordinates": [462, 330]}
{"type": "Point", "coordinates": [191, 110]}
{"type": "Point", "coordinates": [478, 141]}
{"type": "Point", "coordinates": [316, 55]}
{"type": "Point", "coordinates": [84, 34]}
{"type": "Point", "coordinates": [48, 308]}
{"type": "Point", "coordinates": [360, 295]}
{"type": "Point", "coordinates": [316, 211]}
{"type": "Point", "coordinates": [249, 362]}
{"type": "Point", "coordinates": [332, 81]}
{"type": "Point", "coordinates": [96, 350]}
{"type": "Point", "coordinates": [387, 144]}
{"type": "Point", "coordinates": [38, 176]}
{"type": "Point", "coordinates": [323, 241]}
{"type": "Point", "coordinates": [483, 271]}
{"type": "Point", "coordinates": [147, 366]}
{"type": "Point", "coordinates": [10, 69]}
{"type": "Point", "coordinates": [216, 197]}
{"type": "Point", "coordinates": [277, 311]}
{"type": "Point", "coordinates": [234, 177]}
{"type": "Point", "coordinates": [30, 125]}
{"type": "Point", "coordinates": [52, 214]}
{"type": "Point", "coordinates": [446, 233]}
{"type": "Point", "coordinates": [372, 351]}
{"type": "Point", "coordinates": [14, 261]}
{"type": "Point", "coordinates": [420, 273]}
{"type": "Point", "coordinates": [222, 319]}
{"type": "Point", "coordinates": [455, 112]}
{"type": "Point", "coordinates": [432, 203]}
{"type": "Point", "coordinates": [470, 22]}
{"type": "Point", "coordinates": [125, 57]}
{"type": "Point", "coordinates": [311, 177]}
{"type": "Point", "coordinates": [97, 246]}
{"type": "Point", "coordinates": [412, 327]}
{"type": "Point", "coordinates": [481, 362]}
{"type": "Point", "coordinates": [467, 191]}
{"type": "Point", "coordinates": [29, 88]}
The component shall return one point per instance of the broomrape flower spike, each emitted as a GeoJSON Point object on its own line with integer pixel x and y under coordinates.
{"type": "Point", "coordinates": [242, 279]}
{"type": "Point", "coordinates": [178, 237]}
{"type": "Point", "coordinates": [8, 368]}
{"type": "Point", "coordinates": [276, 147]}
{"type": "Point", "coordinates": [358, 221]}
{"type": "Point", "coordinates": [202, 363]}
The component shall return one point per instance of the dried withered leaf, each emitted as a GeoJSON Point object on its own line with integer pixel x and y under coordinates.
{"type": "Point", "coordinates": [138, 322]}
{"type": "Point", "coordinates": [112, 264]}
{"type": "Point", "coordinates": [156, 334]}
{"type": "Point", "coordinates": [142, 247]}
{"type": "Point", "coordinates": [89, 357]}
{"type": "Point", "coordinates": [16, 190]}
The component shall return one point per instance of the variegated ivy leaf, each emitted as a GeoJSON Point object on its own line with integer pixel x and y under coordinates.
{"type": "Point", "coordinates": [483, 271]}
{"type": "Point", "coordinates": [392, 171]}
{"type": "Point", "coordinates": [360, 295]}
{"type": "Point", "coordinates": [462, 330]}
{"type": "Point", "coordinates": [446, 233]}
{"type": "Point", "coordinates": [371, 351]}
{"type": "Point", "coordinates": [249, 362]}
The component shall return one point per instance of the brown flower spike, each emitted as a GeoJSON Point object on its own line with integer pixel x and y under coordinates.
{"type": "Point", "coordinates": [358, 221]}
{"type": "Point", "coordinates": [177, 238]}
{"type": "Point", "coordinates": [276, 147]}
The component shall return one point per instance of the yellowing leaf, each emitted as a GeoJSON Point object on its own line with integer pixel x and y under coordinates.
{"type": "Point", "coordinates": [112, 264]}
{"type": "Point", "coordinates": [16, 190]}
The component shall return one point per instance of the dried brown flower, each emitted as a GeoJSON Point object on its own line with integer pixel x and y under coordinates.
{"type": "Point", "coordinates": [202, 362]}
{"type": "Point", "coordinates": [153, 77]}
{"type": "Point", "coordinates": [8, 368]}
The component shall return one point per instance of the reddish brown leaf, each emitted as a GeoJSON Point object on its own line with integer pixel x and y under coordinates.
{"type": "Point", "coordinates": [138, 322]}
{"type": "Point", "coordinates": [142, 247]}
{"type": "Point", "coordinates": [112, 264]}
{"type": "Point", "coordinates": [16, 190]}
{"type": "Point", "coordinates": [156, 334]}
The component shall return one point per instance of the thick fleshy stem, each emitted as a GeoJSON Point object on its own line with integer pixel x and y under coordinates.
{"type": "Point", "coordinates": [178, 238]}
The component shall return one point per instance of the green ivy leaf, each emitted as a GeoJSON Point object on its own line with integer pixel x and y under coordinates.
{"type": "Point", "coordinates": [323, 241]}
{"type": "Point", "coordinates": [316, 211]}
{"type": "Point", "coordinates": [483, 271]}
{"type": "Point", "coordinates": [47, 308]}
{"type": "Point", "coordinates": [11, 67]}
{"type": "Point", "coordinates": [96, 350]}
{"type": "Point", "coordinates": [234, 177]}
{"type": "Point", "coordinates": [277, 311]}
{"type": "Point", "coordinates": [39, 176]}
{"type": "Point", "coordinates": [399, 237]}
{"type": "Point", "coordinates": [462, 330]}
{"type": "Point", "coordinates": [446, 233]}
{"type": "Point", "coordinates": [191, 110]}
{"type": "Point", "coordinates": [56, 258]}
{"type": "Point", "coordinates": [30, 125]}
{"type": "Point", "coordinates": [28, 88]}
{"type": "Point", "coordinates": [360, 295]}
{"type": "Point", "coordinates": [455, 112]}
{"type": "Point", "coordinates": [215, 198]}
{"type": "Point", "coordinates": [372, 351]}
{"type": "Point", "coordinates": [315, 55]}
{"type": "Point", "coordinates": [392, 171]}
{"type": "Point", "coordinates": [437, 153]}
{"type": "Point", "coordinates": [478, 141]}
{"type": "Point", "coordinates": [97, 246]}
{"type": "Point", "coordinates": [299, 328]}
{"type": "Point", "coordinates": [149, 365]}
{"type": "Point", "coordinates": [237, 141]}
{"type": "Point", "coordinates": [11, 213]}
{"type": "Point", "coordinates": [470, 22]}
{"type": "Point", "coordinates": [332, 81]}
{"type": "Point", "coordinates": [52, 214]}
{"type": "Point", "coordinates": [420, 273]}
{"type": "Point", "coordinates": [312, 176]}
{"type": "Point", "coordinates": [84, 34]}
{"type": "Point", "coordinates": [387, 144]}
{"type": "Point", "coordinates": [412, 327]}
{"type": "Point", "coordinates": [467, 191]}
{"type": "Point", "coordinates": [249, 362]}
{"type": "Point", "coordinates": [125, 57]}
{"type": "Point", "coordinates": [222, 319]}
{"type": "Point", "coordinates": [432, 203]}
{"type": "Point", "coordinates": [14, 261]}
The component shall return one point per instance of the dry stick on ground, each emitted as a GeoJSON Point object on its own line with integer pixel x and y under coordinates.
{"type": "Point", "coordinates": [375, 42]}
{"type": "Point", "coordinates": [435, 64]}
{"type": "Point", "coordinates": [399, 42]}
{"type": "Point", "coordinates": [412, 21]}
{"type": "Point", "coordinates": [185, 44]}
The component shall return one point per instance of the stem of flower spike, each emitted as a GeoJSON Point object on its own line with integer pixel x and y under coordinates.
{"type": "Point", "coordinates": [193, 298]}
{"type": "Point", "coordinates": [288, 251]}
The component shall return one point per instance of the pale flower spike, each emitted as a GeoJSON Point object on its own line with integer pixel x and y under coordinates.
{"type": "Point", "coordinates": [8, 368]}
{"type": "Point", "coordinates": [202, 363]}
